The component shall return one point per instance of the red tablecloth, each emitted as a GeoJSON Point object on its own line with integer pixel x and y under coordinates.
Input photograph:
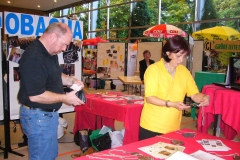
{"type": "Point", "coordinates": [225, 102]}
{"type": "Point", "coordinates": [109, 111]}
{"type": "Point", "coordinates": [190, 143]}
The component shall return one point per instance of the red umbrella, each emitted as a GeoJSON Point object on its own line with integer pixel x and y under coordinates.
{"type": "Point", "coordinates": [93, 41]}
{"type": "Point", "coordinates": [164, 31]}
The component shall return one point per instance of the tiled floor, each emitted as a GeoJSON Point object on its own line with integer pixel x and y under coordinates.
{"type": "Point", "coordinates": [66, 145]}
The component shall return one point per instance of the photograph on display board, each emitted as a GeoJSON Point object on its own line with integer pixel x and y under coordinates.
{"type": "Point", "coordinates": [25, 42]}
{"type": "Point", "coordinates": [13, 41]}
{"type": "Point", "coordinates": [15, 55]}
{"type": "Point", "coordinates": [70, 55]}
{"type": "Point", "coordinates": [110, 60]}
{"type": "Point", "coordinates": [90, 59]}
{"type": "Point", "coordinates": [16, 74]}
{"type": "Point", "coordinates": [68, 69]}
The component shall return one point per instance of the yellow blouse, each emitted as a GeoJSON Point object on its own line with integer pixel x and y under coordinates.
{"type": "Point", "coordinates": [158, 82]}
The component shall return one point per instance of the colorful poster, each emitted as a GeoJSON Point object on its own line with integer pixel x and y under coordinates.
{"type": "Point", "coordinates": [110, 60]}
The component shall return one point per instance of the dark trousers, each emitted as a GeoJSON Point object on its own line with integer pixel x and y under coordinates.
{"type": "Point", "coordinates": [144, 134]}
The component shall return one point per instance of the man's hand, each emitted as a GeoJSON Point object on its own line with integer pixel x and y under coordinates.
{"type": "Point", "coordinates": [72, 99]}
{"type": "Point", "coordinates": [78, 82]}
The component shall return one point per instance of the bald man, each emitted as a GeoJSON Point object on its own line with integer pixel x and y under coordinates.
{"type": "Point", "coordinates": [41, 91]}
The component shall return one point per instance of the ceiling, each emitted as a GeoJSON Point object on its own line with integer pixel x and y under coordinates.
{"type": "Point", "coordinates": [45, 5]}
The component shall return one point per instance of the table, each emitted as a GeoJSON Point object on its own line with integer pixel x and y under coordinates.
{"type": "Point", "coordinates": [204, 78]}
{"type": "Point", "coordinates": [224, 102]}
{"type": "Point", "coordinates": [130, 80]}
{"type": "Point", "coordinates": [85, 116]}
{"type": "Point", "coordinates": [190, 144]}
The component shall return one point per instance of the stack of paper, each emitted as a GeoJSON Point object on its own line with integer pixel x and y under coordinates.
{"type": "Point", "coordinates": [161, 149]}
{"type": "Point", "coordinates": [213, 145]}
{"type": "Point", "coordinates": [180, 155]}
{"type": "Point", "coordinates": [204, 155]}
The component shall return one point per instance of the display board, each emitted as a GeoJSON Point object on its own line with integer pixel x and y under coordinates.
{"type": "Point", "coordinates": [110, 60]}
{"type": "Point", "coordinates": [20, 32]}
{"type": "Point", "coordinates": [197, 59]}
{"type": "Point", "coordinates": [131, 59]}
{"type": "Point", "coordinates": [1, 81]}
{"type": "Point", "coordinates": [154, 47]}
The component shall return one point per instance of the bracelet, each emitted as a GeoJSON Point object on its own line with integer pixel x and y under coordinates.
{"type": "Point", "coordinates": [166, 103]}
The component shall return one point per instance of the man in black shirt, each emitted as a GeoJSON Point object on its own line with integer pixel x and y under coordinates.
{"type": "Point", "coordinates": [41, 90]}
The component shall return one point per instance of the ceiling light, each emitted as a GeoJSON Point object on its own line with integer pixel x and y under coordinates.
{"type": "Point", "coordinates": [55, 0]}
{"type": "Point", "coordinates": [8, 2]}
{"type": "Point", "coordinates": [38, 6]}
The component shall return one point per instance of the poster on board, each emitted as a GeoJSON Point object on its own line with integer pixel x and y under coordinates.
{"type": "Point", "coordinates": [110, 60]}
{"type": "Point", "coordinates": [132, 59]}
{"type": "Point", "coordinates": [24, 28]}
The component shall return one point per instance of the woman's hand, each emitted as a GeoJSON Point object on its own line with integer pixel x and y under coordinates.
{"type": "Point", "coordinates": [180, 106]}
{"type": "Point", "coordinates": [205, 100]}
{"type": "Point", "coordinates": [202, 99]}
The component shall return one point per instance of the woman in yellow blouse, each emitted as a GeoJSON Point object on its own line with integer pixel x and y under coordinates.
{"type": "Point", "coordinates": [166, 84]}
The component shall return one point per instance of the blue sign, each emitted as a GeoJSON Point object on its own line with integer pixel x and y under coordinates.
{"type": "Point", "coordinates": [33, 25]}
{"type": "Point", "coordinates": [0, 19]}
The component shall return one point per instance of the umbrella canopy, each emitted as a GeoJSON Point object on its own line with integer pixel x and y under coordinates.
{"type": "Point", "coordinates": [164, 31]}
{"type": "Point", "coordinates": [93, 41]}
{"type": "Point", "coordinates": [217, 33]}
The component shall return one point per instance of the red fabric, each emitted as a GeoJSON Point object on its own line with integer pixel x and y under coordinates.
{"type": "Point", "coordinates": [109, 110]}
{"type": "Point", "coordinates": [93, 41]}
{"type": "Point", "coordinates": [225, 102]}
{"type": "Point", "coordinates": [164, 31]}
{"type": "Point", "coordinates": [190, 143]}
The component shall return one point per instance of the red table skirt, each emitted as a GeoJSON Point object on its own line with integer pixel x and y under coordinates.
{"type": "Point", "coordinates": [190, 143]}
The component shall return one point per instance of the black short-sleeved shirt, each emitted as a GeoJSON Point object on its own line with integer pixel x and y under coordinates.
{"type": "Point", "coordinates": [39, 72]}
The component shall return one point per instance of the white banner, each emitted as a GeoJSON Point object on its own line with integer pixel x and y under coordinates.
{"type": "Point", "coordinates": [19, 25]}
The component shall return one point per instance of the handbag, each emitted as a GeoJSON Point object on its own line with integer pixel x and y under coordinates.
{"type": "Point", "coordinates": [82, 139]}
{"type": "Point", "coordinates": [80, 94]}
{"type": "Point", "coordinates": [102, 143]}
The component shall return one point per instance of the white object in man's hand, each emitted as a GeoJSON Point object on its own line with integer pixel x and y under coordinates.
{"type": "Point", "coordinates": [76, 87]}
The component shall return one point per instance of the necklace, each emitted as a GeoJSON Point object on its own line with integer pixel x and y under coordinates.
{"type": "Point", "coordinates": [170, 72]}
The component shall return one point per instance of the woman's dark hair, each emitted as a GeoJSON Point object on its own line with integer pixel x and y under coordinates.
{"type": "Point", "coordinates": [174, 45]}
{"type": "Point", "coordinates": [146, 51]}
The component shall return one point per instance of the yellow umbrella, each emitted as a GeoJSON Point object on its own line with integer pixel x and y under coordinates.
{"type": "Point", "coordinates": [217, 33]}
